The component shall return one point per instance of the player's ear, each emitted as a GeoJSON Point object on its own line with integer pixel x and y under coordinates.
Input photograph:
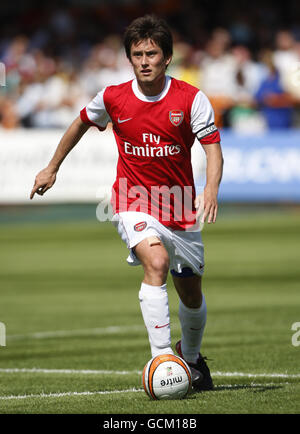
{"type": "Point", "coordinates": [168, 61]}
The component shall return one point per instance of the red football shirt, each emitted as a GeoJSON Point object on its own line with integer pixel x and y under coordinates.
{"type": "Point", "coordinates": [154, 136]}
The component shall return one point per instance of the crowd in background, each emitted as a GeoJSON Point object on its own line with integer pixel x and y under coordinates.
{"type": "Point", "coordinates": [56, 61]}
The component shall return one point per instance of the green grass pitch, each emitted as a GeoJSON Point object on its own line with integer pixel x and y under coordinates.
{"type": "Point", "coordinates": [75, 340]}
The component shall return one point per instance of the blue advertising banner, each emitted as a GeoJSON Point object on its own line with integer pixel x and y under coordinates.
{"type": "Point", "coordinates": [262, 167]}
{"type": "Point", "coordinates": [257, 167]}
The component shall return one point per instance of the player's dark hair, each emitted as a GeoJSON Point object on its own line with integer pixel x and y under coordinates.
{"type": "Point", "coordinates": [149, 27]}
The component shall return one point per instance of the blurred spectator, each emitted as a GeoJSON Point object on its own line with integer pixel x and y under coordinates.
{"type": "Point", "coordinates": [218, 74]}
{"type": "Point", "coordinates": [249, 73]}
{"type": "Point", "coordinates": [275, 103]}
{"type": "Point", "coordinates": [53, 98]}
{"type": "Point", "coordinates": [185, 63]}
{"type": "Point", "coordinates": [286, 58]}
{"type": "Point", "coordinates": [58, 56]}
{"type": "Point", "coordinates": [106, 65]}
{"type": "Point", "coordinates": [248, 76]}
{"type": "Point", "coordinates": [9, 118]}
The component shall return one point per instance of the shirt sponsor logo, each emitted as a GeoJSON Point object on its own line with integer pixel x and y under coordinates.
{"type": "Point", "coordinates": [140, 226]}
{"type": "Point", "coordinates": [151, 151]}
{"type": "Point", "coordinates": [176, 117]}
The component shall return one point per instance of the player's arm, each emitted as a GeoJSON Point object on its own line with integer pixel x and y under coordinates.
{"type": "Point", "coordinates": [214, 170]}
{"type": "Point", "coordinates": [46, 178]}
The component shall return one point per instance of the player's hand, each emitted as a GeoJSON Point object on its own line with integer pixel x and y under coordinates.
{"type": "Point", "coordinates": [208, 205]}
{"type": "Point", "coordinates": [199, 205]}
{"type": "Point", "coordinates": [43, 181]}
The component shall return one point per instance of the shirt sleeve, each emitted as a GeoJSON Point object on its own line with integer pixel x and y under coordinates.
{"type": "Point", "coordinates": [95, 114]}
{"type": "Point", "coordinates": [203, 120]}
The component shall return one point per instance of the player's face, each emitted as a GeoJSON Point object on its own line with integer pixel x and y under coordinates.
{"type": "Point", "coordinates": [149, 63]}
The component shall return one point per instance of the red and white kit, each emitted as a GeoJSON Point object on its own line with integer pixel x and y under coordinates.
{"type": "Point", "coordinates": [154, 136]}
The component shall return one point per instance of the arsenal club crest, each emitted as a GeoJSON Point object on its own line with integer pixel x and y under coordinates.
{"type": "Point", "coordinates": [140, 226]}
{"type": "Point", "coordinates": [176, 117]}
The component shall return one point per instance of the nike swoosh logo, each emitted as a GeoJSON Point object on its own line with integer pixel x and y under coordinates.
{"type": "Point", "coordinates": [123, 120]}
{"type": "Point", "coordinates": [160, 327]}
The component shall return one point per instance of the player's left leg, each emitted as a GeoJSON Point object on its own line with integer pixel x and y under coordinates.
{"type": "Point", "coordinates": [192, 316]}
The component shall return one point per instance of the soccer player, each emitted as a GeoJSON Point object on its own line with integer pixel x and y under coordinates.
{"type": "Point", "coordinates": [155, 121]}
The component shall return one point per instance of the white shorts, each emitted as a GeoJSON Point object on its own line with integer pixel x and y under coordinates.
{"type": "Point", "coordinates": [185, 249]}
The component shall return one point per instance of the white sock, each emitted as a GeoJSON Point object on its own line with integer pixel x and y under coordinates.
{"type": "Point", "coordinates": [155, 309]}
{"type": "Point", "coordinates": [192, 327]}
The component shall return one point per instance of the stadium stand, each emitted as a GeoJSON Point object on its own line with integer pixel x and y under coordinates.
{"type": "Point", "coordinates": [59, 55]}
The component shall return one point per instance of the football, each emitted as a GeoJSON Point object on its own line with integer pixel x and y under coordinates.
{"type": "Point", "coordinates": [167, 377]}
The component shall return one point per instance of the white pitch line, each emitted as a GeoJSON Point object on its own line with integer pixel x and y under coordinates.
{"type": "Point", "coordinates": [233, 386]}
{"type": "Point", "coordinates": [109, 392]}
{"type": "Point", "coordinates": [67, 371]}
{"type": "Point", "coordinates": [250, 375]}
{"type": "Point", "coordinates": [139, 372]}
{"type": "Point", "coordinates": [79, 332]}
{"type": "Point", "coordinates": [63, 394]}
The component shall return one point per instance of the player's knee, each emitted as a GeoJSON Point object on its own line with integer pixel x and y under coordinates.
{"type": "Point", "coordinates": [192, 298]}
{"type": "Point", "coordinates": [189, 289]}
{"type": "Point", "coordinates": [159, 265]}
{"type": "Point", "coordinates": [192, 301]}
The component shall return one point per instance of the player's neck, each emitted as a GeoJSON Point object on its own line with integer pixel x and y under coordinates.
{"type": "Point", "coordinates": [152, 88]}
